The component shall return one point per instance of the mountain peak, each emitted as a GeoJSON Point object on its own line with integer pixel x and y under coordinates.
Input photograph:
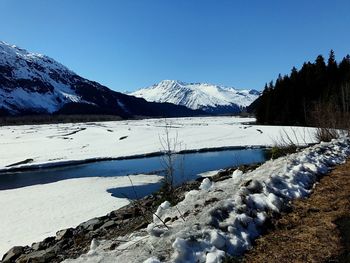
{"type": "Point", "coordinates": [15, 56]}
{"type": "Point", "coordinates": [208, 97]}
{"type": "Point", "coordinates": [169, 82]}
{"type": "Point", "coordinates": [13, 50]}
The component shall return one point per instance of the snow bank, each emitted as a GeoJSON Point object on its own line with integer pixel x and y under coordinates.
{"type": "Point", "coordinates": [62, 143]}
{"type": "Point", "coordinates": [226, 219]}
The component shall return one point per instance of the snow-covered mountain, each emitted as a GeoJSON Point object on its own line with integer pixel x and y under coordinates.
{"type": "Point", "coordinates": [199, 96]}
{"type": "Point", "coordinates": [36, 84]}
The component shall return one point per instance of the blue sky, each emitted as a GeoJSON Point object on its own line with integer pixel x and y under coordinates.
{"type": "Point", "coordinates": [129, 44]}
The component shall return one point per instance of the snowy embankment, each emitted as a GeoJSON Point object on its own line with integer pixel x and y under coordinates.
{"type": "Point", "coordinates": [223, 218]}
{"type": "Point", "coordinates": [45, 145]}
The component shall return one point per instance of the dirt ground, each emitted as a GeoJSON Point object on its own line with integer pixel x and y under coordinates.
{"type": "Point", "coordinates": [316, 230]}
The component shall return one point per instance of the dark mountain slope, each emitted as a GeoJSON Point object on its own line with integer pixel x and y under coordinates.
{"type": "Point", "coordinates": [32, 84]}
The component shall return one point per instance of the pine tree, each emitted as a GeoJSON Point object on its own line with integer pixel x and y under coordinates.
{"type": "Point", "coordinates": [293, 98]}
{"type": "Point", "coordinates": [331, 59]}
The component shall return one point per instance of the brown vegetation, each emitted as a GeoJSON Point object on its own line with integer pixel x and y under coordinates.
{"type": "Point", "coordinates": [331, 121]}
{"type": "Point", "coordinates": [317, 229]}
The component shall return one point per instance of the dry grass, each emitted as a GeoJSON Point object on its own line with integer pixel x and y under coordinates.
{"type": "Point", "coordinates": [310, 233]}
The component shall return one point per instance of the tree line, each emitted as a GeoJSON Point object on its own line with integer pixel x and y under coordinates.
{"type": "Point", "coordinates": [54, 118]}
{"type": "Point", "coordinates": [317, 94]}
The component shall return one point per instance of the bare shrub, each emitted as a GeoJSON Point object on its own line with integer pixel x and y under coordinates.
{"type": "Point", "coordinates": [288, 141]}
{"type": "Point", "coordinates": [331, 122]}
{"type": "Point", "coordinates": [291, 138]}
{"type": "Point", "coordinates": [170, 145]}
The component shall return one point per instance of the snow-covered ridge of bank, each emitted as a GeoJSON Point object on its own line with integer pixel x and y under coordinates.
{"type": "Point", "coordinates": [224, 218]}
{"type": "Point", "coordinates": [54, 144]}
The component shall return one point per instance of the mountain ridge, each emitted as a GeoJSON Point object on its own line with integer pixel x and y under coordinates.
{"type": "Point", "coordinates": [213, 99]}
{"type": "Point", "coordinates": [32, 83]}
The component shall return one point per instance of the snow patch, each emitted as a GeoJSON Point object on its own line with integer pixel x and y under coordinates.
{"type": "Point", "coordinates": [237, 173]}
{"type": "Point", "coordinates": [206, 185]}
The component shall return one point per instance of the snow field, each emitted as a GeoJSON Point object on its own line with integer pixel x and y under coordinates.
{"type": "Point", "coordinates": [32, 213]}
{"type": "Point", "coordinates": [61, 143]}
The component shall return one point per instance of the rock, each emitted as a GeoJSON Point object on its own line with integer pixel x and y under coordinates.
{"type": "Point", "coordinates": [255, 186]}
{"type": "Point", "coordinates": [112, 214]}
{"type": "Point", "coordinates": [103, 218]}
{"type": "Point", "coordinates": [37, 246]}
{"type": "Point", "coordinates": [65, 233]}
{"type": "Point", "coordinates": [92, 224]}
{"type": "Point", "coordinates": [12, 254]}
{"type": "Point", "coordinates": [41, 256]}
{"type": "Point", "coordinates": [53, 250]}
{"type": "Point", "coordinates": [48, 241]}
{"type": "Point", "coordinates": [127, 215]}
{"type": "Point", "coordinates": [141, 226]}
{"type": "Point", "coordinates": [64, 243]}
{"type": "Point", "coordinates": [108, 224]}
{"type": "Point", "coordinates": [147, 203]}
{"type": "Point", "coordinates": [92, 234]}
{"type": "Point", "coordinates": [247, 183]}
{"type": "Point", "coordinates": [113, 246]}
